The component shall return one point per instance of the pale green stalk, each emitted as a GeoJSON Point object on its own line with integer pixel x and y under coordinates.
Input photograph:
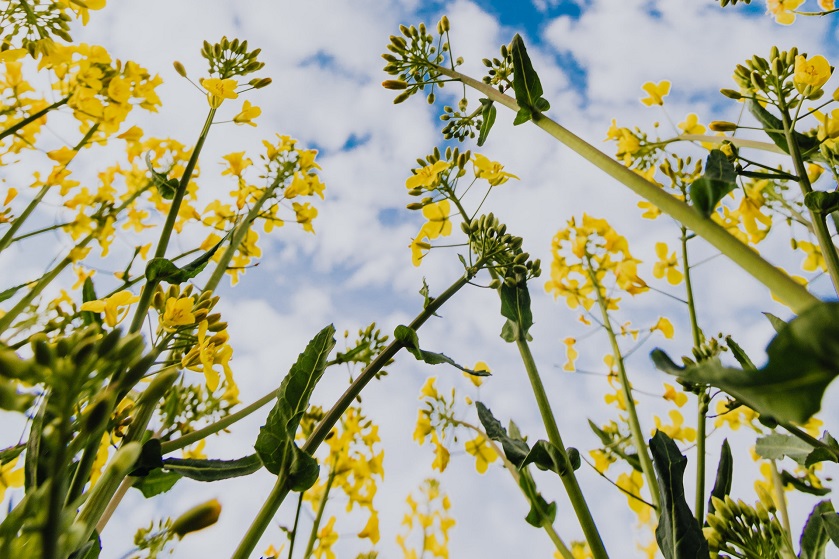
{"type": "Point", "coordinates": [569, 478]}
{"type": "Point", "coordinates": [313, 535]}
{"type": "Point", "coordinates": [638, 438]}
{"type": "Point", "coordinates": [280, 490]}
{"type": "Point", "coordinates": [781, 284]}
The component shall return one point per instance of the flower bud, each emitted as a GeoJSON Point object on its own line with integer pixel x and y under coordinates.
{"type": "Point", "coordinates": [197, 518]}
{"type": "Point", "coordinates": [444, 22]}
{"type": "Point", "coordinates": [722, 126]}
{"type": "Point", "coordinates": [402, 97]}
{"type": "Point", "coordinates": [179, 68]}
{"type": "Point", "coordinates": [394, 84]}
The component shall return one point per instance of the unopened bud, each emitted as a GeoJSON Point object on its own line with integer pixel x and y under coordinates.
{"type": "Point", "coordinates": [179, 68]}
{"type": "Point", "coordinates": [722, 126]}
{"type": "Point", "coordinates": [394, 84]}
{"type": "Point", "coordinates": [197, 518]}
{"type": "Point", "coordinates": [444, 23]}
{"type": "Point", "coordinates": [402, 97]}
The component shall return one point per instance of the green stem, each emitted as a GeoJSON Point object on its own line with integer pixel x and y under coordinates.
{"type": "Point", "coordinates": [313, 535]}
{"type": "Point", "coordinates": [781, 284]}
{"type": "Point", "coordinates": [638, 438]}
{"type": "Point", "coordinates": [51, 530]}
{"type": "Point", "coordinates": [42, 230]}
{"type": "Point", "coordinates": [831, 258]}
{"type": "Point", "coordinates": [293, 536]}
{"type": "Point", "coordinates": [82, 473]}
{"type": "Point", "coordinates": [781, 499]}
{"type": "Point", "coordinates": [569, 479]}
{"type": "Point", "coordinates": [165, 234]}
{"type": "Point", "coordinates": [33, 117]}
{"type": "Point", "coordinates": [215, 427]}
{"type": "Point", "coordinates": [280, 490]}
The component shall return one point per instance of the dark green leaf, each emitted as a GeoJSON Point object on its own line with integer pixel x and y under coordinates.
{"type": "Point", "coordinates": [831, 526]}
{"type": "Point", "coordinates": [803, 360]}
{"type": "Point", "coordinates": [718, 167]}
{"type": "Point", "coordinates": [213, 470]}
{"type": "Point", "coordinates": [777, 323]}
{"type": "Point", "coordinates": [774, 128]}
{"type": "Point", "coordinates": [776, 446]}
{"type": "Point", "coordinates": [9, 293]}
{"type": "Point", "coordinates": [822, 202]}
{"type": "Point", "coordinates": [546, 456]}
{"type": "Point", "coordinates": [515, 306]}
{"type": "Point", "coordinates": [739, 354]}
{"type": "Point", "coordinates": [541, 512]}
{"type": "Point", "coordinates": [678, 534]}
{"type": "Point", "coordinates": [725, 471]}
{"type": "Point", "coordinates": [718, 180]}
{"type": "Point", "coordinates": [89, 294]}
{"type": "Point", "coordinates": [161, 269]}
{"type": "Point", "coordinates": [515, 449]}
{"type": "Point", "coordinates": [90, 550]}
{"type": "Point", "coordinates": [275, 443]}
{"type": "Point", "coordinates": [156, 482]}
{"type": "Point", "coordinates": [424, 292]}
{"type": "Point", "coordinates": [803, 484]}
{"type": "Point", "coordinates": [409, 339]}
{"type": "Point", "coordinates": [487, 120]}
{"type": "Point", "coordinates": [526, 84]}
{"type": "Point", "coordinates": [12, 452]}
{"type": "Point", "coordinates": [814, 537]}
{"type": "Point", "coordinates": [821, 454]}
{"type": "Point", "coordinates": [165, 186]}
{"type": "Point", "coordinates": [303, 472]}
{"type": "Point", "coordinates": [150, 458]}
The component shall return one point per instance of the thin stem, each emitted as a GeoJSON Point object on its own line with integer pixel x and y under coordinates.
{"type": "Point", "coordinates": [215, 427]}
{"type": "Point", "coordinates": [831, 258]}
{"type": "Point", "coordinates": [313, 535]}
{"type": "Point", "coordinates": [634, 424]}
{"type": "Point", "coordinates": [166, 233]}
{"type": "Point", "coordinates": [569, 479]}
{"type": "Point", "coordinates": [33, 117]}
{"type": "Point", "coordinates": [785, 288]}
{"type": "Point", "coordinates": [293, 536]}
{"type": "Point", "coordinates": [781, 499]}
{"type": "Point", "coordinates": [280, 490]}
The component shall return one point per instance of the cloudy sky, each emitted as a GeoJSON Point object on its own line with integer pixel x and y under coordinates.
{"type": "Point", "coordinates": [324, 58]}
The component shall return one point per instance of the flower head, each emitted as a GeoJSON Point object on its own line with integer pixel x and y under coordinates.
{"type": "Point", "coordinates": [783, 10]}
{"type": "Point", "coordinates": [813, 72]}
{"type": "Point", "coordinates": [656, 92]}
{"type": "Point", "coordinates": [112, 306]}
{"type": "Point", "coordinates": [218, 90]}
{"type": "Point", "coordinates": [492, 171]}
{"type": "Point", "coordinates": [247, 114]}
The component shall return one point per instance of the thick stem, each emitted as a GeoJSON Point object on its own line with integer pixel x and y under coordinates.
{"type": "Point", "coordinates": [782, 285]}
{"type": "Point", "coordinates": [280, 490]}
{"type": "Point", "coordinates": [831, 258]}
{"type": "Point", "coordinates": [569, 479]}
{"type": "Point", "coordinates": [638, 438]}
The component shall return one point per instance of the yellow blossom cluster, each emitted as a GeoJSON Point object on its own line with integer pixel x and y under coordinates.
{"type": "Point", "coordinates": [431, 517]}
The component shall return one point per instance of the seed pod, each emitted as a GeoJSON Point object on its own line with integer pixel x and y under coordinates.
{"type": "Point", "coordinates": [196, 518]}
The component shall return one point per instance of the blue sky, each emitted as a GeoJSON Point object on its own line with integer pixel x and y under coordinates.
{"type": "Point", "coordinates": [324, 57]}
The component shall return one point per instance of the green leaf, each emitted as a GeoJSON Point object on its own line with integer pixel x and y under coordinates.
{"type": "Point", "coordinates": [275, 443]}
{"type": "Point", "coordinates": [802, 484]}
{"type": "Point", "coordinates": [822, 202]}
{"type": "Point", "coordinates": [515, 449]}
{"type": "Point", "coordinates": [803, 360]}
{"type": "Point", "coordinates": [678, 534]}
{"type": "Point", "coordinates": [777, 323]}
{"type": "Point", "coordinates": [831, 526]}
{"type": "Point", "coordinates": [814, 537]}
{"type": "Point", "coordinates": [725, 471]}
{"type": "Point", "coordinates": [9, 293]}
{"type": "Point", "coordinates": [718, 180]}
{"type": "Point", "coordinates": [487, 120]}
{"type": "Point", "coordinates": [547, 456]}
{"type": "Point", "coordinates": [165, 186]}
{"type": "Point", "coordinates": [776, 446]}
{"type": "Point", "coordinates": [161, 269]}
{"type": "Point", "coordinates": [90, 550]}
{"type": "Point", "coordinates": [526, 84]}
{"type": "Point", "coordinates": [409, 339]}
{"type": "Point", "coordinates": [541, 512]}
{"type": "Point", "coordinates": [156, 482]}
{"type": "Point", "coordinates": [739, 354]}
{"type": "Point", "coordinates": [303, 472]}
{"type": "Point", "coordinates": [515, 306]}
{"type": "Point", "coordinates": [151, 458]}
{"type": "Point", "coordinates": [89, 294]}
{"type": "Point", "coordinates": [821, 454]}
{"type": "Point", "coordinates": [213, 470]}
{"type": "Point", "coordinates": [774, 128]}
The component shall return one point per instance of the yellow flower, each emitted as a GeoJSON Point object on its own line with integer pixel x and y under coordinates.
{"type": "Point", "coordinates": [492, 171]}
{"type": "Point", "coordinates": [827, 5]}
{"type": "Point", "coordinates": [429, 390]}
{"type": "Point", "coordinates": [197, 452]}
{"type": "Point", "coordinates": [656, 92]}
{"type": "Point", "coordinates": [8, 478]}
{"type": "Point", "coordinates": [237, 163]}
{"type": "Point", "coordinates": [247, 114]}
{"type": "Point", "coordinates": [676, 431]}
{"type": "Point", "coordinates": [735, 418]}
{"type": "Point", "coordinates": [272, 552]}
{"type": "Point", "coordinates": [813, 72]}
{"type": "Point", "coordinates": [479, 366]}
{"type": "Point", "coordinates": [666, 265]}
{"type": "Point", "coordinates": [676, 396]}
{"type": "Point", "coordinates": [327, 536]}
{"type": "Point", "coordinates": [111, 306]}
{"type": "Point", "coordinates": [441, 454]}
{"type": "Point", "coordinates": [571, 352]}
{"type": "Point", "coordinates": [418, 245]}
{"type": "Point", "coordinates": [783, 10]}
{"type": "Point", "coordinates": [178, 312]}
{"type": "Point", "coordinates": [691, 125]}
{"type": "Point", "coordinates": [664, 326]}
{"type": "Point", "coordinates": [483, 452]}
{"type": "Point", "coordinates": [632, 485]}
{"type": "Point", "coordinates": [305, 213]}
{"type": "Point", "coordinates": [10, 195]}
{"type": "Point", "coordinates": [427, 176]}
{"type": "Point", "coordinates": [218, 90]}
{"type": "Point", "coordinates": [602, 461]}
{"type": "Point", "coordinates": [814, 259]}
{"type": "Point", "coordinates": [423, 427]}
{"type": "Point", "coordinates": [371, 529]}
{"type": "Point", "coordinates": [438, 219]}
